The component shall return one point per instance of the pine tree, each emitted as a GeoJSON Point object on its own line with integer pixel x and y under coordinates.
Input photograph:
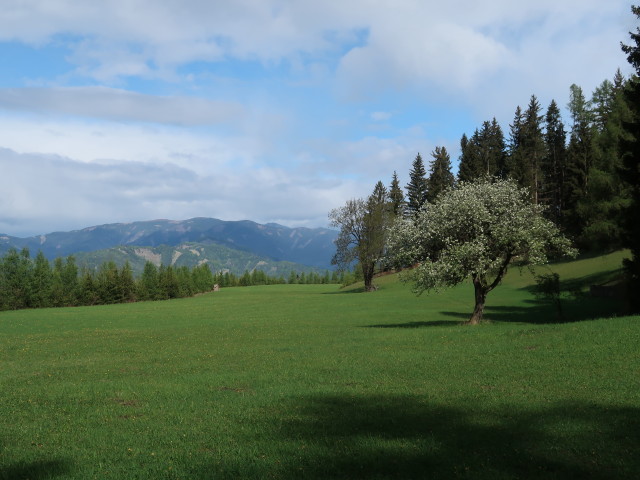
{"type": "Point", "coordinates": [41, 281]}
{"type": "Point", "coordinates": [579, 160]}
{"type": "Point", "coordinates": [630, 170]}
{"type": "Point", "coordinates": [601, 208]}
{"type": "Point", "coordinates": [470, 167]}
{"type": "Point", "coordinates": [88, 291]}
{"type": "Point", "coordinates": [527, 149]}
{"type": "Point", "coordinates": [417, 187]}
{"type": "Point", "coordinates": [533, 147]}
{"type": "Point", "coordinates": [69, 277]}
{"type": "Point", "coordinates": [496, 150]}
{"type": "Point", "coordinates": [440, 177]}
{"type": "Point", "coordinates": [514, 167]}
{"type": "Point", "coordinates": [553, 166]}
{"type": "Point", "coordinates": [148, 284]}
{"type": "Point", "coordinates": [127, 284]}
{"type": "Point", "coordinates": [396, 197]}
{"type": "Point", "coordinates": [15, 279]}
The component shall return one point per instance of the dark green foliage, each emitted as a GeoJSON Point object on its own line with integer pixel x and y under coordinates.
{"type": "Point", "coordinates": [440, 176]}
{"type": "Point", "coordinates": [483, 154]}
{"type": "Point", "coordinates": [554, 165]}
{"type": "Point", "coordinates": [579, 160]}
{"type": "Point", "coordinates": [514, 159]}
{"type": "Point", "coordinates": [15, 274]}
{"type": "Point", "coordinates": [470, 166]}
{"type": "Point", "coordinates": [41, 282]}
{"type": "Point", "coordinates": [148, 286]}
{"type": "Point", "coordinates": [630, 170]}
{"type": "Point", "coordinates": [466, 166]}
{"type": "Point", "coordinates": [527, 149]}
{"type": "Point", "coordinates": [396, 197]}
{"type": "Point", "coordinates": [417, 187]}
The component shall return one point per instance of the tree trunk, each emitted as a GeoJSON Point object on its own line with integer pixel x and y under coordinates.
{"type": "Point", "coordinates": [480, 295]}
{"type": "Point", "coordinates": [367, 273]}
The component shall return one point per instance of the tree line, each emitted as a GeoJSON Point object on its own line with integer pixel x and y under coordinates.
{"type": "Point", "coordinates": [585, 177]}
{"type": "Point", "coordinates": [27, 282]}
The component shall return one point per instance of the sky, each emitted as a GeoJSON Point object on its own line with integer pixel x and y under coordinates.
{"type": "Point", "coordinates": [266, 110]}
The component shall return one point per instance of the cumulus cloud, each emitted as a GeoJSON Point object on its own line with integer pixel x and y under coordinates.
{"type": "Point", "coordinates": [43, 193]}
{"type": "Point", "coordinates": [407, 41]}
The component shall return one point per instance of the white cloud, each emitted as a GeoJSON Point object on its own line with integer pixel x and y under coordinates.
{"type": "Point", "coordinates": [113, 104]}
{"type": "Point", "coordinates": [42, 193]}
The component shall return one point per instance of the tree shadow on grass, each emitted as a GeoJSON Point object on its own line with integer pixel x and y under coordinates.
{"type": "Point", "coordinates": [575, 308]}
{"type": "Point", "coordinates": [346, 290]}
{"type": "Point", "coordinates": [42, 469]}
{"type": "Point", "coordinates": [434, 323]}
{"type": "Point", "coordinates": [395, 436]}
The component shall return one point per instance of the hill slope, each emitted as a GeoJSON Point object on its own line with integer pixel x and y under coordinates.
{"type": "Point", "coordinates": [218, 257]}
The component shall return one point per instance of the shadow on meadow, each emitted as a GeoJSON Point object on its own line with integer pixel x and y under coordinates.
{"type": "Point", "coordinates": [433, 323]}
{"type": "Point", "coordinates": [575, 309]}
{"type": "Point", "coordinates": [577, 304]}
{"type": "Point", "coordinates": [346, 290]}
{"type": "Point", "coordinates": [35, 470]}
{"type": "Point", "coordinates": [343, 436]}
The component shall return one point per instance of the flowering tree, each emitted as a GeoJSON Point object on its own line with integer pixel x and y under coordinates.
{"type": "Point", "coordinates": [476, 230]}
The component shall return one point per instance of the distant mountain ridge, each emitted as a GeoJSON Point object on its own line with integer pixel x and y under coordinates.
{"type": "Point", "coordinates": [306, 246]}
{"type": "Point", "coordinates": [218, 257]}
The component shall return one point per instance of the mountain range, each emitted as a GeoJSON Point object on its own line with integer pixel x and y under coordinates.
{"type": "Point", "coordinates": [226, 245]}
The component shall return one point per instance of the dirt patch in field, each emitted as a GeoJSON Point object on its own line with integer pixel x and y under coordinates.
{"type": "Point", "coordinates": [127, 403]}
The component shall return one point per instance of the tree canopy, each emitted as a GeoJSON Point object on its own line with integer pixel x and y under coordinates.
{"type": "Point", "coordinates": [476, 230]}
{"type": "Point", "coordinates": [363, 231]}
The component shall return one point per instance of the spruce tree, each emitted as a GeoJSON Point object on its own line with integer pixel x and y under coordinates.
{"type": "Point", "coordinates": [15, 279]}
{"type": "Point", "coordinates": [601, 207]}
{"type": "Point", "coordinates": [396, 197]}
{"type": "Point", "coordinates": [514, 161]}
{"type": "Point", "coordinates": [489, 149]}
{"type": "Point", "coordinates": [630, 170]}
{"type": "Point", "coordinates": [553, 166]}
{"type": "Point", "coordinates": [471, 162]}
{"type": "Point", "coordinates": [41, 282]}
{"type": "Point", "coordinates": [417, 187]}
{"type": "Point", "coordinates": [483, 155]}
{"type": "Point", "coordinates": [579, 160]}
{"type": "Point", "coordinates": [533, 148]}
{"type": "Point", "coordinates": [527, 149]}
{"type": "Point", "coordinates": [440, 176]}
{"type": "Point", "coordinates": [466, 164]}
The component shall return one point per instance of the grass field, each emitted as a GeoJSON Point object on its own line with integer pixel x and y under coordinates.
{"type": "Point", "coordinates": [309, 381]}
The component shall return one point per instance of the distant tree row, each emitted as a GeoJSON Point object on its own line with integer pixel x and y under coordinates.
{"type": "Point", "coordinates": [36, 283]}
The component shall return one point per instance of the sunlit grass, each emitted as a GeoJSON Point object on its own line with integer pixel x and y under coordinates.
{"type": "Point", "coordinates": [309, 381]}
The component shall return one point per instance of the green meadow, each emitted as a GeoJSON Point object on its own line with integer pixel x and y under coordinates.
{"type": "Point", "coordinates": [314, 381]}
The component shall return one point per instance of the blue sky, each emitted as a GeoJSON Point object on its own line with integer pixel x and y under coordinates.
{"type": "Point", "coordinates": [268, 110]}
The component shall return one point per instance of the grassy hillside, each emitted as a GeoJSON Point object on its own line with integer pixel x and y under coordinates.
{"type": "Point", "coordinates": [309, 381]}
